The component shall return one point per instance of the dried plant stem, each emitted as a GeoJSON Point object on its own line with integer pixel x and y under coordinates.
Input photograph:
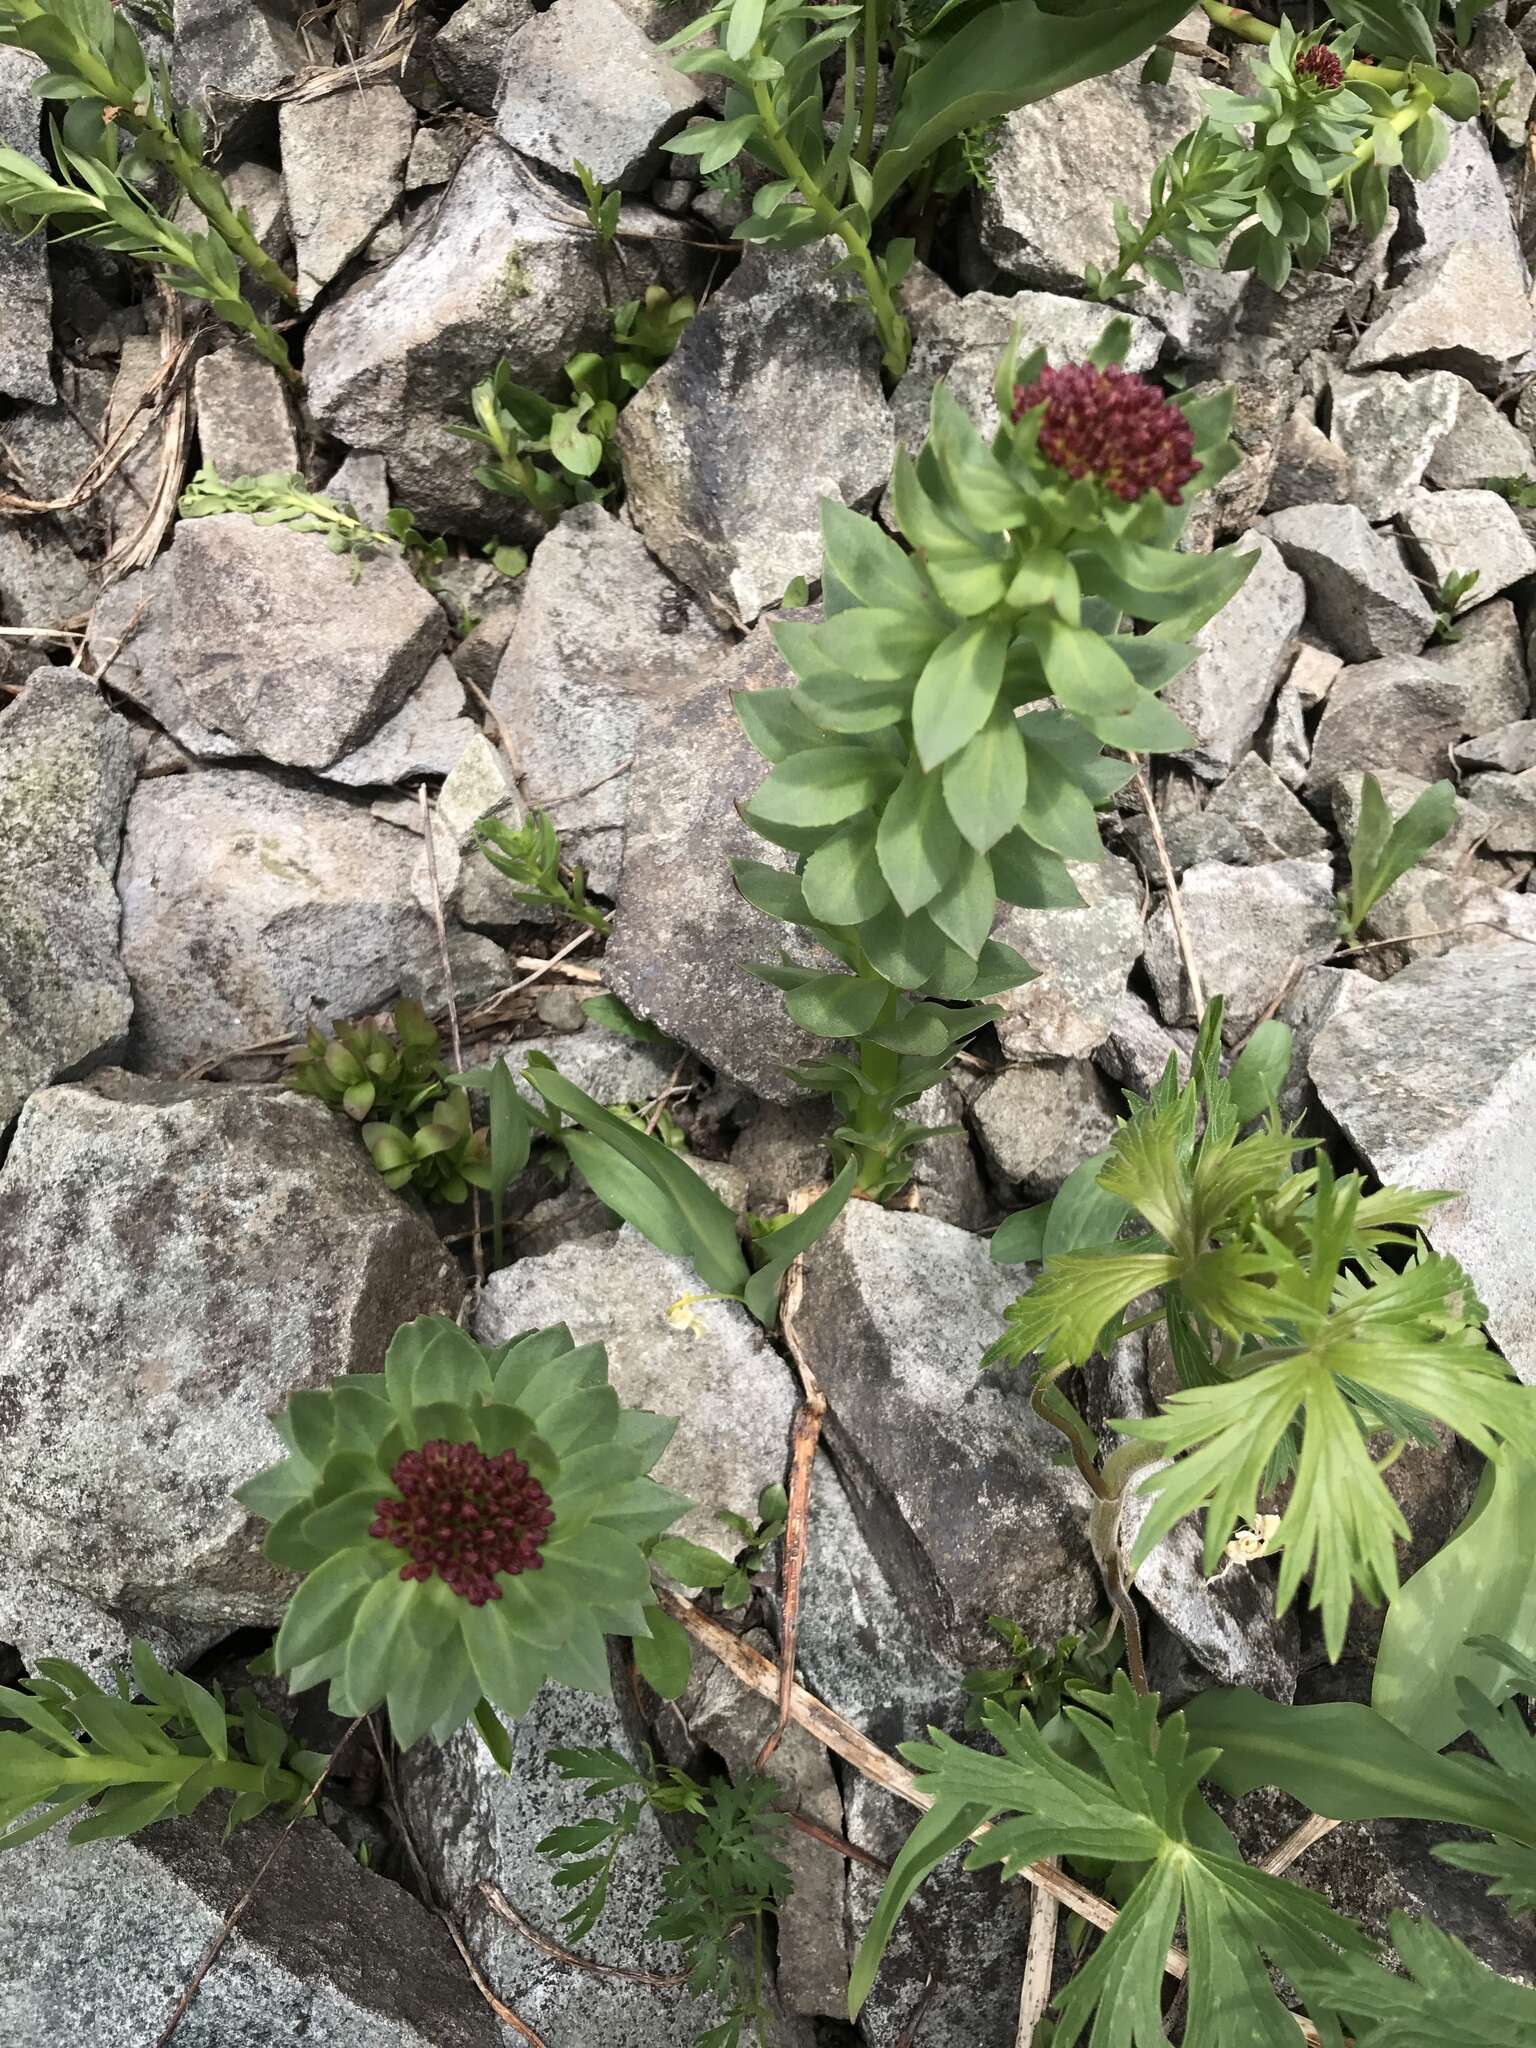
{"type": "Point", "coordinates": [546, 1946]}
{"type": "Point", "coordinates": [1297, 1843]}
{"type": "Point", "coordinates": [118, 447]}
{"type": "Point", "coordinates": [1039, 1965]}
{"type": "Point", "coordinates": [430, 838]}
{"type": "Point", "coordinates": [232, 1917]}
{"type": "Point", "coordinates": [1171, 884]}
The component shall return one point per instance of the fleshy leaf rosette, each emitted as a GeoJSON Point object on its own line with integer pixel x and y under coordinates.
{"type": "Point", "coordinates": [469, 1522]}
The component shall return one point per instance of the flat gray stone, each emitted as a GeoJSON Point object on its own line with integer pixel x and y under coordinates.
{"type": "Point", "coordinates": [1405, 714]}
{"type": "Point", "coordinates": [26, 335]}
{"type": "Point", "coordinates": [495, 270]}
{"type": "Point", "coordinates": [1251, 818]}
{"type": "Point", "coordinates": [249, 907]}
{"type": "Point", "coordinates": [293, 652]}
{"type": "Point", "coordinates": [1137, 1051]}
{"type": "Point", "coordinates": [1509, 801]}
{"type": "Point", "coordinates": [1058, 165]}
{"type": "Point", "coordinates": [771, 402]}
{"type": "Point", "coordinates": [1360, 595]}
{"type": "Point", "coordinates": [1452, 532]}
{"type": "Point", "coordinates": [244, 426]}
{"type": "Point", "coordinates": [950, 1472]}
{"type": "Point", "coordinates": [1434, 1082]}
{"type": "Point", "coordinates": [1388, 428]}
{"type": "Point", "coordinates": [1320, 995]}
{"type": "Point", "coordinates": [177, 1259]}
{"type": "Point", "coordinates": [732, 1395]}
{"type": "Point", "coordinates": [1082, 959]}
{"type": "Point", "coordinates": [1243, 650]}
{"type": "Point", "coordinates": [1466, 309]}
{"type": "Point", "coordinates": [680, 949]}
{"type": "Point", "coordinates": [344, 161]}
{"type": "Point", "coordinates": [1035, 1123]}
{"type": "Point", "coordinates": [334, 1954]}
{"type": "Point", "coordinates": [1481, 443]}
{"type": "Point", "coordinates": [583, 81]}
{"type": "Point", "coordinates": [229, 54]}
{"type": "Point", "coordinates": [1512, 747]}
{"type": "Point", "coordinates": [602, 636]}
{"type": "Point", "coordinates": [1497, 61]}
{"type": "Point", "coordinates": [66, 771]}
{"type": "Point", "coordinates": [1246, 926]}
{"type": "Point", "coordinates": [426, 736]}
{"type": "Point", "coordinates": [1309, 468]}
{"type": "Point", "coordinates": [469, 51]}
{"type": "Point", "coordinates": [130, 630]}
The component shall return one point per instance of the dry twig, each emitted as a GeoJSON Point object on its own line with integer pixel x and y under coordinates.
{"type": "Point", "coordinates": [173, 399]}
{"type": "Point", "coordinates": [1039, 1966]}
{"type": "Point", "coordinates": [657, 1981]}
{"type": "Point", "coordinates": [1171, 884]}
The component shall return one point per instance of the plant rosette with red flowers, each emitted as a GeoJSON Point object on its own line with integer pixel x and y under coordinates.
{"type": "Point", "coordinates": [468, 1523]}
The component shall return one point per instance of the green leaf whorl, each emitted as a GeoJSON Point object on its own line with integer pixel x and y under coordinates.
{"type": "Point", "coordinates": [515, 1486]}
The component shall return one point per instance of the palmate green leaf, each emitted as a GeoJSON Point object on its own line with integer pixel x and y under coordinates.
{"type": "Point", "coordinates": [1447, 1999]}
{"type": "Point", "coordinates": [1072, 1304]}
{"type": "Point", "coordinates": [1139, 1808]}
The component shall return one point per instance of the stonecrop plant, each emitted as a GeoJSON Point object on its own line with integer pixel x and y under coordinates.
{"type": "Point", "coordinates": [467, 1523]}
{"type": "Point", "coordinates": [943, 747]}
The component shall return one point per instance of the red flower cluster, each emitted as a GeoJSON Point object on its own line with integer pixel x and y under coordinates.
{"type": "Point", "coordinates": [466, 1517]}
{"type": "Point", "coordinates": [1112, 426]}
{"type": "Point", "coordinates": [1323, 68]}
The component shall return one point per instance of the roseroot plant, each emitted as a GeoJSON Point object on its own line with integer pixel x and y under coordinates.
{"type": "Point", "coordinates": [1305, 1319]}
{"type": "Point", "coordinates": [364, 1068]}
{"type": "Point", "coordinates": [552, 455]}
{"type": "Point", "coordinates": [529, 856]}
{"type": "Point", "coordinates": [1383, 849]}
{"type": "Point", "coordinates": [436, 1149]}
{"type": "Point", "coordinates": [467, 1523]}
{"type": "Point", "coordinates": [803, 86]}
{"type": "Point", "coordinates": [133, 1761]}
{"type": "Point", "coordinates": [943, 748]}
{"type": "Point", "coordinates": [1254, 186]}
{"type": "Point", "coordinates": [723, 1884]}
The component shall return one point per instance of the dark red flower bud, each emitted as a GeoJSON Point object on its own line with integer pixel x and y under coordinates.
{"type": "Point", "coordinates": [1321, 66]}
{"type": "Point", "coordinates": [466, 1517]}
{"type": "Point", "coordinates": [1111, 426]}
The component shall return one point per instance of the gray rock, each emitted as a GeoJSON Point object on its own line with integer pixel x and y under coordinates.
{"type": "Point", "coordinates": [609, 1068]}
{"type": "Point", "coordinates": [334, 1953]}
{"type": "Point", "coordinates": [1459, 531]}
{"type": "Point", "coordinates": [583, 82]}
{"type": "Point", "coordinates": [1312, 675]}
{"type": "Point", "coordinates": [178, 1258]}
{"type": "Point", "coordinates": [426, 736]}
{"type": "Point", "coordinates": [25, 290]}
{"type": "Point", "coordinates": [734, 1723]}
{"type": "Point", "coordinates": [1400, 792]}
{"type": "Point", "coordinates": [1247, 928]}
{"type": "Point", "coordinates": [130, 636]}
{"type": "Point", "coordinates": [732, 1395]}
{"type": "Point", "coordinates": [1389, 427]}
{"type": "Point", "coordinates": [1138, 1048]}
{"type": "Point", "coordinates": [1309, 468]}
{"type": "Point", "coordinates": [596, 644]}
{"type": "Point", "coordinates": [1059, 164]}
{"type": "Point", "coordinates": [437, 152]}
{"type": "Point", "coordinates": [1360, 595]}
{"type": "Point", "coordinates": [1035, 1123]}
{"type": "Point", "coordinates": [961, 339]}
{"type": "Point", "coordinates": [46, 449]}
{"type": "Point", "coordinates": [344, 161]}
{"type": "Point", "coordinates": [66, 770]}
{"type": "Point", "coordinates": [1480, 444]}
{"type": "Point", "coordinates": [469, 52]}
{"type": "Point", "coordinates": [361, 483]}
{"type": "Point", "coordinates": [782, 1149]}
{"type": "Point", "coordinates": [1082, 959]}
{"type": "Point", "coordinates": [479, 785]}
{"type": "Point", "coordinates": [1465, 310]}
{"type": "Point", "coordinates": [950, 1472]}
{"type": "Point", "coordinates": [1261, 411]}
{"type": "Point", "coordinates": [472, 1822]}
{"type": "Point", "coordinates": [478, 655]}
{"type": "Point", "coordinates": [248, 906]}
{"type": "Point", "coordinates": [40, 1618]}
{"type": "Point", "coordinates": [946, 1182]}
{"type": "Point", "coordinates": [496, 270]}
{"type": "Point", "coordinates": [1284, 743]}
{"type": "Point", "coordinates": [1497, 61]}
{"type": "Point", "coordinates": [1510, 803]}
{"type": "Point", "coordinates": [1433, 1081]}
{"type": "Point", "coordinates": [293, 652]}
{"type": "Point", "coordinates": [244, 427]}
{"type": "Point", "coordinates": [1488, 659]}
{"type": "Point", "coordinates": [1462, 203]}
{"type": "Point", "coordinates": [771, 402]}
{"type": "Point", "coordinates": [229, 54]}
{"type": "Point", "coordinates": [1251, 818]}
{"type": "Point", "coordinates": [967, 1937]}
{"type": "Point", "coordinates": [1320, 995]}
{"type": "Point", "coordinates": [679, 953]}
{"type": "Point", "coordinates": [1227, 1621]}
{"type": "Point", "coordinates": [43, 582]}
{"type": "Point", "coordinates": [1223, 697]}
{"type": "Point", "coordinates": [1405, 714]}
{"type": "Point", "coordinates": [1512, 747]}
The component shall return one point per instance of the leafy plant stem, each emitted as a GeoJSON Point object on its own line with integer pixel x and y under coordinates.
{"type": "Point", "coordinates": [880, 1067]}
{"type": "Point", "coordinates": [205, 188]}
{"type": "Point", "coordinates": [1405, 118]}
{"type": "Point", "coordinates": [870, 81]}
{"type": "Point", "coordinates": [895, 341]}
{"type": "Point", "coordinates": [1052, 1406]}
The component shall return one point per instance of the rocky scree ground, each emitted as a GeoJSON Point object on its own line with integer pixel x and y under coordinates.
{"type": "Point", "coordinates": [211, 835]}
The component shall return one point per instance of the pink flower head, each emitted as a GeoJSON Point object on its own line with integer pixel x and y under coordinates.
{"type": "Point", "coordinates": [1113, 427]}
{"type": "Point", "coordinates": [1321, 66]}
{"type": "Point", "coordinates": [466, 1517]}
